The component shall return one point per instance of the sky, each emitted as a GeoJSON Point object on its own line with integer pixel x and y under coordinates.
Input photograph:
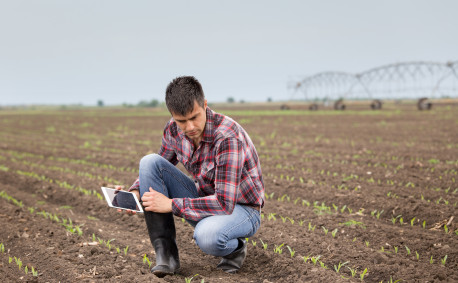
{"type": "Point", "coordinates": [81, 51]}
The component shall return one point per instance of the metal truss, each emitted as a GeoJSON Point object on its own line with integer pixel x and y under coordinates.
{"type": "Point", "coordinates": [395, 81]}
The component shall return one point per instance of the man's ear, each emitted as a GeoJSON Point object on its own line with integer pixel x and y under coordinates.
{"type": "Point", "coordinates": [205, 105]}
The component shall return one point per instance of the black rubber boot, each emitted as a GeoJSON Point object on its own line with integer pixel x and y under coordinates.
{"type": "Point", "coordinates": [232, 262]}
{"type": "Point", "coordinates": [161, 230]}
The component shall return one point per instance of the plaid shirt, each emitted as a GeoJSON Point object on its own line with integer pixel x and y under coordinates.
{"type": "Point", "coordinates": [225, 166]}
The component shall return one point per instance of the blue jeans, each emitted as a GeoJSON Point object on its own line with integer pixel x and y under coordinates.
{"type": "Point", "coordinates": [215, 235]}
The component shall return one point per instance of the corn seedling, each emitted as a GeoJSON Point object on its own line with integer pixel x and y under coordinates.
{"type": "Point", "coordinates": [334, 232]}
{"type": "Point", "coordinates": [34, 272]}
{"type": "Point", "coordinates": [2, 248]}
{"type": "Point", "coordinates": [412, 221]}
{"type": "Point", "coordinates": [408, 250]}
{"type": "Point", "coordinates": [362, 274]}
{"type": "Point", "coordinates": [337, 268]}
{"type": "Point", "coordinates": [189, 279]}
{"type": "Point", "coordinates": [311, 228]}
{"type": "Point", "coordinates": [315, 259]}
{"type": "Point", "coordinates": [323, 265]}
{"type": "Point", "coordinates": [118, 250]}
{"type": "Point", "coordinates": [417, 255]}
{"type": "Point", "coordinates": [10, 260]}
{"type": "Point", "coordinates": [306, 258]}
{"type": "Point", "coordinates": [395, 249]}
{"type": "Point", "coordinates": [367, 243]}
{"type": "Point", "coordinates": [431, 260]}
{"type": "Point", "coordinates": [146, 260]}
{"type": "Point", "coordinates": [446, 229]}
{"type": "Point", "coordinates": [379, 213]}
{"type": "Point", "coordinates": [291, 251]}
{"type": "Point", "coordinates": [125, 250]}
{"type": "Point", "coordinates": [253, 242]}
{"type": "Point", "coordinates": [352, 271]}
{"type": "Point", "coordinates": [325, 230]}
{"type": "Point", "coordinates": [278, 249]}
{"type": "Point", "coordinates": [26, 270]}
{"type": "Point", "coordinates": [264, 245]}
{"type": "Point", "coordinates": [424, 224]}
{"type": "Point", "coordinates": [443, 260]}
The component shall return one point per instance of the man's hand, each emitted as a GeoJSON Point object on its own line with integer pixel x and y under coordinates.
{"type": "Point", "coordinates": [156, 202]}
{"type": "Point", "coordinates": [128, 211]}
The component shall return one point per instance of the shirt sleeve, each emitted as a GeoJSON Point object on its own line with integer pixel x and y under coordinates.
{"type": "Point", "coordinates": [167, 149]}
{"type": "Point", "coordinates": [229, 161]}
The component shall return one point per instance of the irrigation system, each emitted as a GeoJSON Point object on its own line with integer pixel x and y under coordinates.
{"type": "Point", "coordinates": [408, 80]}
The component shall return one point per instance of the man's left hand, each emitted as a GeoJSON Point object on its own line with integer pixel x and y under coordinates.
{"type": "Point", "coordinates": [156, 202]}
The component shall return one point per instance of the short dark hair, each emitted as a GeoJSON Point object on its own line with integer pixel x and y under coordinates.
{"type": "Point", "coordinates": [181, 94]}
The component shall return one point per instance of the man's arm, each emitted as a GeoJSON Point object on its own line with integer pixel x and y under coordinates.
{"type": "Point", "coordinates": [229, 162]}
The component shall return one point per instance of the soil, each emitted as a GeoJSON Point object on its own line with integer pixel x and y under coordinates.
{"type": "Point", "coordinates": [371, 189]}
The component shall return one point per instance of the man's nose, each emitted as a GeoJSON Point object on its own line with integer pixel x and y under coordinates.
{"type": "Point", "coordinates": [189, 125]}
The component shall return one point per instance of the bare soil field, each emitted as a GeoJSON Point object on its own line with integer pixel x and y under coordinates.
{"type": "Point", "coordinates": [352, 196]}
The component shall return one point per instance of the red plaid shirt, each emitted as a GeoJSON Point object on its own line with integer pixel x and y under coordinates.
{"type": "Point", "coordinates": [225, 165]}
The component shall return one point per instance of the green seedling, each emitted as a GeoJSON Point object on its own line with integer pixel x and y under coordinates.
{"type": "Point", "coordinates": [34, 272]}
{"type": "Point", "coordinates": [395, 249]}
{"type": "Point", "coordinates": [325, 230]}
{"type": "Point", "coordinates": [408, 250]}
{"type": "Point", "coordinates": [315, 259]}
{"type": "Point", "coordinates": [291, 251]}
{"type": "Point", "coordinates": [446, 229]}
{"type": "Point", "coordinates": [264, 245]}
{"type": "Point", "coordinates": [125, 250]}
{"type": "Point", "coordinates": [379, 213]}
{"type": "Point", "coordinates": [311, 228]}
{"type": "Point", "coordinates": [412, 221]}
{"type": "Point", "coordinates": [417, 255]}
{"type": "Point", "coordinates": [443, 260]}
{"type": "Point", "coordinates": [323, 265]}
{"type": "Point", "coordinates": [10, 260]}
{"type": "Point", "coordinates": [367, 243]}
{"type": "Point", "coordinates": [118, 250]}
{"type": "Point", "coordinates": [431, 260]}
{"type": "Point", "coordinates": [424, 224]}
{"type": "Point", "coordinates": [2, 248]}
{"type": "Point", "coordinates": [26, 269]}
{"type": "Point", "coordinates": [189, 279]}
{"type": "Point", "coordinates": [353, 271]}
{"type": "Point", "coordinates": [362, 274]}
{"type": "Point", "coordinates": [306, 258]}
{"type": "Point", "coordinates": [253, 242]}
{"type": "Point", "coordinates": [337, 268]}
{"type": "Point", "coordinates": [278, 249]}
{"type": "Point", "coordinates": [334, 232]}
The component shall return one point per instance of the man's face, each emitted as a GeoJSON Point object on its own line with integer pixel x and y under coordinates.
{"type": "Point", "coordinates": [193, 123]}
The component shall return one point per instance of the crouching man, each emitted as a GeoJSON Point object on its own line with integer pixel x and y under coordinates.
{"type": "Point", "coordinates": [223, 200]}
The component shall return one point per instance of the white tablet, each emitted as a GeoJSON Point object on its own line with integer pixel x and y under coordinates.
{"type": "Point", "coordinates": [121, 199]}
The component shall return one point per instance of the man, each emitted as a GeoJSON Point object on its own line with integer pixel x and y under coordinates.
{"type": "Point", "coordinates": [223, 202]}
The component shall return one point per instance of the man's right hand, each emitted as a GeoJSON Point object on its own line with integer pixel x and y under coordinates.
{"type": "Point", "coordinates": [128, 211]}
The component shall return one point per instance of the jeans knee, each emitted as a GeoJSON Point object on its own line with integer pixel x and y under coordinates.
{"type": "Point", "coordinates": [148, 161]}
{"type": "Point", "coordinates": [211, 243]}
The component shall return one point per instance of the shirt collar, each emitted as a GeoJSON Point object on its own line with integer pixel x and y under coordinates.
{"type": "Point", "coordinates": [209, 126]}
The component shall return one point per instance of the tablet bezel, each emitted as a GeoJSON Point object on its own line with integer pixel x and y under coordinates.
{"type": "Point", "coordinates": [107, 198]}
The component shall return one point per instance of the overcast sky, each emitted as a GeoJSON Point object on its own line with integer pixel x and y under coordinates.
{"type": "Point", "coordinates": [62, 52]}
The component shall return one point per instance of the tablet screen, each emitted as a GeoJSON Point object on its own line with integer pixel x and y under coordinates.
{"type": "Point", "coordinates": [121, 199]}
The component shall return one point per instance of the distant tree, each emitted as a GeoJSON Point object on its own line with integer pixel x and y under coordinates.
{"type": "Point", "coordinates": [152, 103]}
{"type": "Point", "coordinates": [230, 100]}
{"type": "Point", "coordinates": [269, 99]}
{"type": "Point", "coordinates": [242, 101]}
{"type": "Point", "coordinates": [100, 103]}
